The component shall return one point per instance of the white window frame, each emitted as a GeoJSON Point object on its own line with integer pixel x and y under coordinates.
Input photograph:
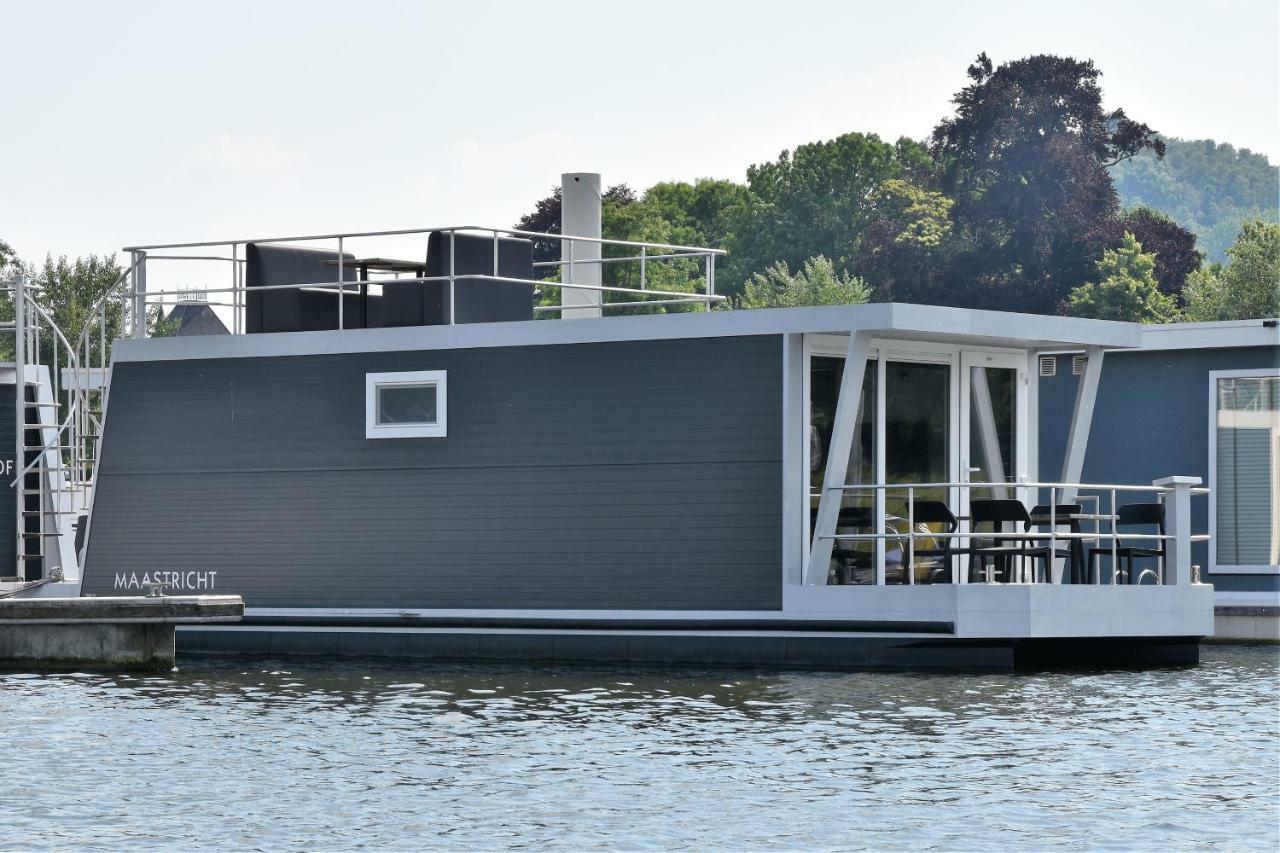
{"type": "Point", "coordinates": [1214, 568]}
{"type": "Point", "coordinates": [410, 378]}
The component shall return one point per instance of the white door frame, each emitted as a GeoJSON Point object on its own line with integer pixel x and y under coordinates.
{"type": "Point", "coordinates": [960, 358]}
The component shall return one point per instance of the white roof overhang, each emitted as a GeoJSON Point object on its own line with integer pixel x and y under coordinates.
{"type": "Point", "coordinates": [884, 320]}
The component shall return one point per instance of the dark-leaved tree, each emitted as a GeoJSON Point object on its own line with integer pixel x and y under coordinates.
{"type": "Point", "coordinates": [1174, 246]}
{"type": "Point", "coordinates": [545, 218]}
{"type": "Point", "coordinates": [1025, 158]}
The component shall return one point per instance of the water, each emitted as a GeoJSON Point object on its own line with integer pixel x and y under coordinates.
{"type": "Point", "coordinates": [247, 753]}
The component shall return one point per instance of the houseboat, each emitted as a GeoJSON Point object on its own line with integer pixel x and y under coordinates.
{"type": "Point", "coordinates": [466, 442]}
{"type": "Point", "coordinates": [1223, 382]}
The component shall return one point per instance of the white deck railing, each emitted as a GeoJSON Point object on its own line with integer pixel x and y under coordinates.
{"type": "Point", "coordinates": [894, 537]}
{"type": "Point", "coordinates": [697, 265]}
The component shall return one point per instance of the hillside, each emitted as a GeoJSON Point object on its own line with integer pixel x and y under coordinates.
{"type": "Point", "coordinates": [1207, 187]}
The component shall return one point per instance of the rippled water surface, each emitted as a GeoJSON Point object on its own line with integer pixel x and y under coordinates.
{"type": "Point", "coordinates": [235, 753]}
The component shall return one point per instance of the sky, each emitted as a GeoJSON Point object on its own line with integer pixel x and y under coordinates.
{"type": "Point", "coordinates": [140, 123]}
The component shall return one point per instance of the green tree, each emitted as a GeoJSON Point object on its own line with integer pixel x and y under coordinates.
{"type": "Point", "coordinates": [1025, 157]}
{"type": "Point", "coordinates": [1126, 288]}
{"type": "Point", "coordinates": [1248, 286]}
{"type": "Point", "coordinates": [904, 248]}
{"type": "Point", "coordinates": [814, 201]}
{"type": "Point", "coordinates": [816, 283]}
{"type": "Point", "coordinates": [1174, 246]}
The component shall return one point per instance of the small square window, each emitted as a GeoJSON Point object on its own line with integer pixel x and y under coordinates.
{"type": "Point", "coordinates": [1078, 363]}
{"type": "Point", "coordinates": [411, 404]}
{"type": "Point", "coordinates": [1048, 365]}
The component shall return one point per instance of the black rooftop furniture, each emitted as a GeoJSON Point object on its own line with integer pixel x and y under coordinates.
{"type": "Point", "coordinates": [478, 300]}
{"type": "Point", "coordinates": [297, 309]}
{"type": "Point", "coordinates": [401, 303]}
{"type": "Point", "coordinates": [1148, 516]}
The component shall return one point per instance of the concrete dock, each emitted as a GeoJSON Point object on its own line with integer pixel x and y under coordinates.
{"type": "Point", "coordinates": [117, 632]}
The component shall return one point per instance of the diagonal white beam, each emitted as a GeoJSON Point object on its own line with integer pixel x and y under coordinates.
{"type": "Point", "coordinates": [842, 434]}
{"type": "Point", "coordinates": [988, 434]}
{"type": "Point", "coordinates": [1081, 420]}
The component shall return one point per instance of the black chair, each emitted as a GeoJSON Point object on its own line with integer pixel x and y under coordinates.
{"type": "Point", "coordinates": [851, 565]}
{"type": "Point", "coordinates": [1150, 516]}
{"type": "Point", "coordinates": [295, 309]}
{"type": "Point", "coordinates": [1064, 515]}
{"type": "Point", "coordinates": [1002, 515]}
{"type": "Point", "coordinates": [937, 512]}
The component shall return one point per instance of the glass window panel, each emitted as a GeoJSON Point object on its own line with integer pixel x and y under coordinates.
{"type": "Point", "coordinates": [917, 418]}
{"type": "Point", "coordinates": [851, 561]}
{"type": "Point", "coordinates": [1247, 471]}
{"type": "Point", "coordinates": [406, 404]}
{"type": "Point", "coordinates": [992, 425]}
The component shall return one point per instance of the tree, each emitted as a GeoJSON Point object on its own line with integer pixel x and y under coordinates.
{"type": "Point", "coordinates": [1210, 188]}
{"type": "Point", "coordinates": [903, 249]}
{"type": "Point", "coordinates": [1126, 288]}
{"type": "Point", "coordinates": [814, 201]}
{"type": "Point", "coordinates": [1025, 157]}
{"type": "Point", "coordinates": [1174, 246]}
{"type": "Point", "coordinates": [1248, 287]}
{"type": "Point", "coordinates": [816, 283]}
{"type": "Point", "coordinates": [545, 218]}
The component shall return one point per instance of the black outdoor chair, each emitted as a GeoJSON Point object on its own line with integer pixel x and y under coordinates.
{"type": "Point", "coordinates": [1150, 516]}
{"type": "Point", "coordinates": [291, 309]}
{"type": "Point", "coordinates": [1004, 516]}
{"type": "Point", "coordinates": [937, 512]}
{"type": "Point", "coordinates": [1064, 515]}
{"type": "Point", "coordinates": [851, 565]}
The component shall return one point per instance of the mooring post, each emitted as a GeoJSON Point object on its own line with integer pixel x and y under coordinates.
{"type": "Point", "coordinates": [1177, 520]}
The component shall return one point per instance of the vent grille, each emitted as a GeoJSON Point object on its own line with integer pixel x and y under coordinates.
{"type": "Point", "coordinates": [1077, 364]}
{"type": "Point", "coordinates": [1048, 365]}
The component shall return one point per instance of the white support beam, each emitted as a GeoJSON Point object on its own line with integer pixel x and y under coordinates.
{"type": "Point", "coordinates": [795, 473]}
{"type": "Point", "coordinates": [842, 435]}
{"type": "Point", "coordinates": [988, 434]}
{"type": "Point", "coordinates": [1081, 421]}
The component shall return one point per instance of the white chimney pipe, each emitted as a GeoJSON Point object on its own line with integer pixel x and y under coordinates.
{"type": "Point", "coordinates": [580, 217]}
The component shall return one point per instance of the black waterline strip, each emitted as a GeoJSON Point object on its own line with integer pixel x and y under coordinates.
{"type": "Point", "coordinates": [843, 626]}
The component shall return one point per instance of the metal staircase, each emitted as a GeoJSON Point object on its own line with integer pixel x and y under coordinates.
{"type": "Point", "coordinates": [58, 408]}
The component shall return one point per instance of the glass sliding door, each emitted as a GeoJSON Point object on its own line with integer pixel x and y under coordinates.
{"type": "Point", "coordinates": [851, 561]}
{"type": "Point", "coordinates": [992, 440]}
{"type": "Point", "coordinates": [993, 424]}
{"type": "Point", "coordinates": [917, 449]}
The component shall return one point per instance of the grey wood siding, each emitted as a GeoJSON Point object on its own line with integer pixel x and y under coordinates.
{"type": "Point", "coordinates": [1151, 420]}
{"type": "Point", "coordinates": [638, 475]}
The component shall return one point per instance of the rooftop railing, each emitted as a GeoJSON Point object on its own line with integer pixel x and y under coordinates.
{"type": "Point", "coordinates": [625, 275]}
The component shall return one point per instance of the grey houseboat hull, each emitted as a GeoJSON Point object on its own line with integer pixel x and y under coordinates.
{"type": "Point", "coordinates": [619, 489]}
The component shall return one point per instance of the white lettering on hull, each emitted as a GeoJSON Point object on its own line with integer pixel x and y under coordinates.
{"type": "Point", "coordinates": [188, 581]}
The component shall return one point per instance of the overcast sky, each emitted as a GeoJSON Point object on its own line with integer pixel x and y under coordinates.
{"type": "Point", "coordinates": [126, 123]}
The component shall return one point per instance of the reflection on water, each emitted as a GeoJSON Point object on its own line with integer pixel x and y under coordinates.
{"type": "Point", "coordinates": [232, 753]}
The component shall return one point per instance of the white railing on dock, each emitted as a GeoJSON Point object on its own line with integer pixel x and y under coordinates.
{"type": "Point", "coordinates": [1038, 541]}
